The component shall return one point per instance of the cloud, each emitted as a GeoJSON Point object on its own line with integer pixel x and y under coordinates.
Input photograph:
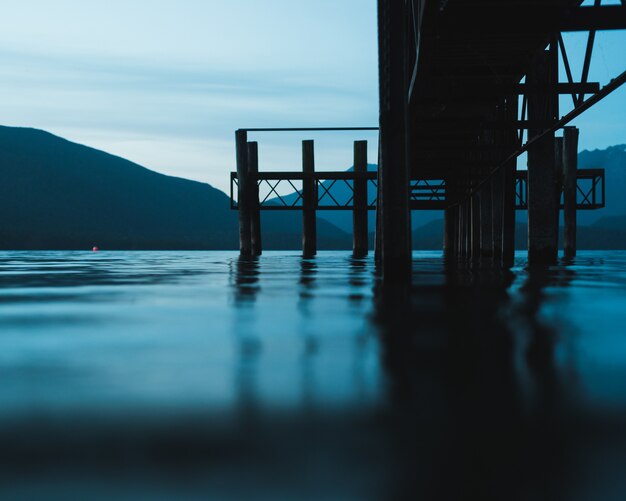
{"type": "Point", "coordinates": [176, 118]}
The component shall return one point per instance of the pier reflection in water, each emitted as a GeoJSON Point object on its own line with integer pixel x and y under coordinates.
{"type": "Point", "coordinates": [208, 375]}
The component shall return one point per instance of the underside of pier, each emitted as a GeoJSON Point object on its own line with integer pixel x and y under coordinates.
{"type": "Point", "coordinates": [465, 88]}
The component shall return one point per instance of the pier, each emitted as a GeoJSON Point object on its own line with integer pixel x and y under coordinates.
{"type": "Point", "coordinates": [466, 88]}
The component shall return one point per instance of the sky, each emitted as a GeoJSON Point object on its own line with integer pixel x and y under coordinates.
{"type": "Point", "coordinates": [165, 83]}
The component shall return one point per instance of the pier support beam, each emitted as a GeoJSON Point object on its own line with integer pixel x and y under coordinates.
{"type": "Point", "coordinates": [396, 216]}
{"type": "Point", "coordinates": [570, 166]}
{"type": "Point", "coordinates": [461, 230]}
{"type": "Point", "coordinates": [451, 222]}
{"type": "Point", "coordinates": [497, 208]}
{"type": "Point", "coordinates": [542, 203]}
{"type": "Point", "coordinates": [309, 201]}
{"type": "Point", "coordinates": [450, 232]}
{"type": "Point", "coordinates": [359, 210]}
{"type": "Point", "coordinates": [486, 222]}
{"type": "Point", "coordinates": [467, 229]}
{"type": "Point", "coordinates": [378, 237]}
{"type": "Point", "coordinates": [558, 180]}
{"type": "Point", "coordinates": [255, 209]}
{"type": "Point", "coordinates": [508, 214]}
{"type": "Point", "coordinates": [243, 193]}
{"type": "Point", "coordinates": [465, 226]}
{"type": "Point", "coordinates": [511, 111]}
{"type": "Point", "coordinates": [476, 222]}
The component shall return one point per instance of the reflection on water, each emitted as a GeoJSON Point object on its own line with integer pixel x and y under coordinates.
{"type": "Point", "coordinates": [204, 375]}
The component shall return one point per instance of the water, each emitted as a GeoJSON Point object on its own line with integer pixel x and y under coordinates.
{"type": "Point", "coordinates": [198, 375]}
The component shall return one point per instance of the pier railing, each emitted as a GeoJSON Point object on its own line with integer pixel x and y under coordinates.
{"type": "Point", "coordinates": [590, 190]}
{"type": "Point", "coordinates": [335, 190]}
{"type": "Point", "coordinates": [356, 190]}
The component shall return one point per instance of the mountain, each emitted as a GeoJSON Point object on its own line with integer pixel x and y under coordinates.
{"type": "Point", "coordinates": [55, 194]}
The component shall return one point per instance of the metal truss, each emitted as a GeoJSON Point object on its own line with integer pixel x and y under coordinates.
{"type": "Point", "coordinates": [335, 191]}
{"type": "Point", "coordinates": [590, 188]}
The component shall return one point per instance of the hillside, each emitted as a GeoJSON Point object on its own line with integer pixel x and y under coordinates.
{"type": "Point", "coordinates": [55, 194]}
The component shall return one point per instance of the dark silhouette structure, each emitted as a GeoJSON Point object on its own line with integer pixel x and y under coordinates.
{"type": "Point", "coordinates": [466, 87]}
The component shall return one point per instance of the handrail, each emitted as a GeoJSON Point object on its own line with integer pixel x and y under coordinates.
{"type": "Point", "coordinates": [307, 129]}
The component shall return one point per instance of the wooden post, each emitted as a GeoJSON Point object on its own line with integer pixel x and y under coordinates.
{"type": "Point", "coordinates": [570, 166]}
{"type": "Point", "coordinates": [558, 180]}
{"type": "Point", "coordinates": [243, 193]}
{"type": "Point", "coordinates": [475, 221]}
{"type": "Point", "coordinates": [542, 203]}
{"type": "Point", "coordinates": [497, 199]}
{"type": "Point", "coordinates": [508, 190]}
{"type": "Point", "coordinates": [309, 201]}
{"type": "Point", "coordinates": [508, 214]}
{"type": "Point", "coordinates": [255, 209]}
{"type": "Point", "coordinates": [466, 244]}
{"type": "Point", "coordinates": [396, 216]}
{"type": "Point", "coordinates": [359, 210]}
{"type": "Point", "coordinates": [450, 231]}
{"type": "Point", "coordinates": [486, 222]}
{"type": "Point", "coordinates": [451, 221]}
{"type": "Point", "coordinates": [378, 237]}
{"type": "Point", "coordinates": [459, 230]}
{"type": "Point", "coordinates": [467, 228]}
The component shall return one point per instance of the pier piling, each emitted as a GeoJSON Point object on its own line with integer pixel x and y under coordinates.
{"type": "Point", "coordinates": [359, 210]}
{"type": "Point", "coordinates": [476, 220]}
{"type": "Point", "coordinates": [309, 201]}
{"type": "Point", "coordinates": [542, 203]}
{"type": "Point", "coordinates": [451, 222]}
{"type": "Point", "coordinates": [243, 193]}
{"type": "Point", "coordinates": [256, 247]}
{"type": "Point", "coordinates": [509, 173]}
{"type": "Point", "coordinates": [570, 165]}
{"type": "Point", "coordinates": [394, 167]}
{"type": "Point", "coordinates": [497, 201]}
{"type": "Point", "coordinates": [486, 222]}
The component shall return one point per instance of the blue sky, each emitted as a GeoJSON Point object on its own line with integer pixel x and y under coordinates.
{"type": "Point", "coordinates": [165, 83]}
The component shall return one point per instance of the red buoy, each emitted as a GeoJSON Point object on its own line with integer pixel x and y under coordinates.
{"type": "Point", "coordinates": [95, 249]}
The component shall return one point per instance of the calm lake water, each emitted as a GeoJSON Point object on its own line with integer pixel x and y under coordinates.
{"type": "Point", "coordinates": [198, 375]}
